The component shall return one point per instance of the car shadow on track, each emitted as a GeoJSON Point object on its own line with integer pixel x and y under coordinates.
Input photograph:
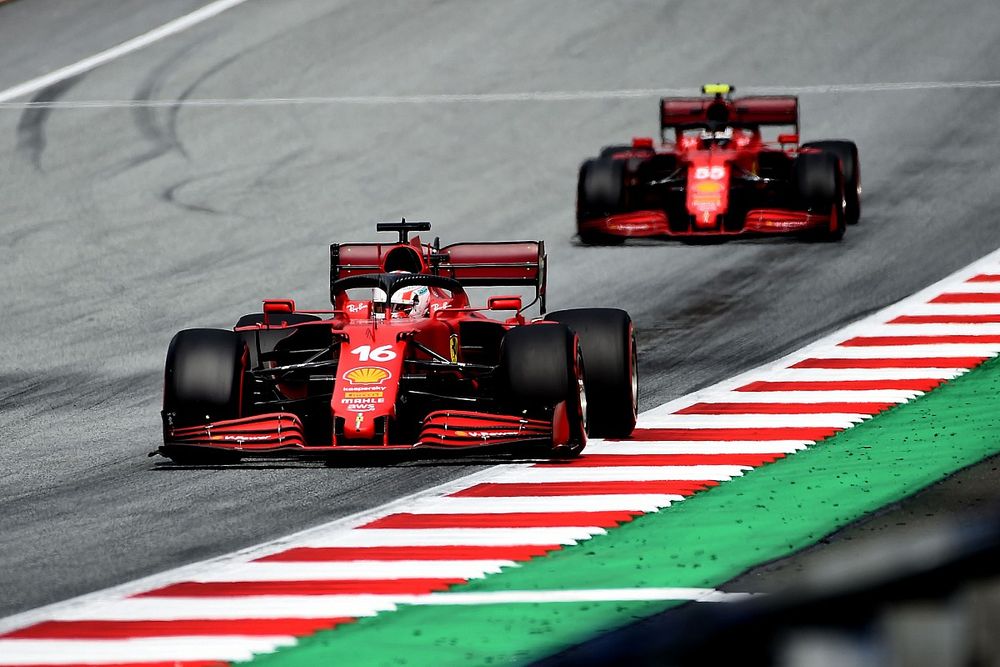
{"type": "Point", "coordinates": [700, 241]}
{"type": "Point", "coordinates": [352, 460]}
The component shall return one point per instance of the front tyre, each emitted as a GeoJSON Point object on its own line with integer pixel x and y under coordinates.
{"type": "Point", "coordinates": [607, 336]}
{"type": "Point", "coordinates": [203, 382]}
{"type": "Point", "coordinates": [600, 192]}
{"type": "Point", "coordinates": [847, 153]}
{"type": "Point", "coordinates": [820, 187]}
{"type": "Point", "coordinates": [541, 373]}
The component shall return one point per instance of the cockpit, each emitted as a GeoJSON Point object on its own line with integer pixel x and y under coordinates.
{"type": "Point", "coordinates": [397, 295]}
{"type": "Point", "coordinates": [708, 136]}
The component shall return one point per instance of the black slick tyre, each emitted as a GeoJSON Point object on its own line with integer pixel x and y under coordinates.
{"type": "Point", "coordinates": [541, 366]}
{"type": "Point", "coordinates": [847, 153]}
{"type": "Point", "coordinates": [203, 378]}
{"type": "Point", "coordinates": [820, 187]}
{"type": "Point", "coordinates": [600, 193]}
{"type": "Point", "coordinates": [607, 337]}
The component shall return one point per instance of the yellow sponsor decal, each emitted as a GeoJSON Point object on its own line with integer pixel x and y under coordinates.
{"type": "Point", "coordinates": [453, 348]}
{"type": "Point", "coordinates": [708, 186]}
{"type": "Point", "coordinates": [367, 375]}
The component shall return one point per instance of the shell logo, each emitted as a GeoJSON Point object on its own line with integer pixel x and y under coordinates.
{"type": "Point", "coordinates": [367, 375]}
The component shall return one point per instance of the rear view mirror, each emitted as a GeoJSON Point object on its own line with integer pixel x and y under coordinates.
{"type": "Point", "coordinates": [788, 138]}
{"type": "Point", "coordinates": [279, 306]}
{"type": "Point", "coordinates": [504, 303]}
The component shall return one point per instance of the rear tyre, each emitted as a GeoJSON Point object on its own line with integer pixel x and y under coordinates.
{"type": "Point", "coordinates": [541, 365]}
{"type": "Point", "coordinates": [607, 337]}
{"type": "Point", "coordinates": [821, 188]}
{"type": "Point", "coordinates": [600, 192]}
{"type": "Point", "coordinates": [203, 382]}
{"type": "Point", "coordinates": [847, 153]}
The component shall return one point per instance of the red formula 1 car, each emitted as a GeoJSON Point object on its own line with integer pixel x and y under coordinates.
{"type": "Point", "coordinates": [717, 174]}
{"type": "Point", "coordinates": [402, 361]}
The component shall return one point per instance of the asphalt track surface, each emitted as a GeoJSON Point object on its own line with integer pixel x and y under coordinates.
{"type": "Point", "coordinates": [122, 225]}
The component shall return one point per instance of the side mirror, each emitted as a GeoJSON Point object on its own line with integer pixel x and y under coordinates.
{"type": "Point", "coordinates": [277, 307]}
{"type": "Point", "coordinates": [642, 142]}
{"type": "Point", "coordinates": [788, 138]}
{"type": "Point", "coordinates": [504, 303]}
{"type": "Point", "coordinates": [274, 306]}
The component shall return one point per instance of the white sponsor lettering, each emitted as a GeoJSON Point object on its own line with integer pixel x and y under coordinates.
{"type": "Point", "coordinates": [380, 353]}
{"type": "Point", "coordinates": [715, 173]}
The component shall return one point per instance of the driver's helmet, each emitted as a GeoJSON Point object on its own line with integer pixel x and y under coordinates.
{"type": "Point", "coordinates": [416, 300]}
{"type": "Point", "coordinates": [719, 136]}
{"type": "Point", "coordinates": [407, 302]}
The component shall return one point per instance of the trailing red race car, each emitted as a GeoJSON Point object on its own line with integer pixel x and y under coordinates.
{"type": "Point", "coordinates": [717, 174]}
{"type": "Point", "coordinates": [403, 361]}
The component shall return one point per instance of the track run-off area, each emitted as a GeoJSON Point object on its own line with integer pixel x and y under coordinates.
{"type": "Point", "coordinates": [174, 179]}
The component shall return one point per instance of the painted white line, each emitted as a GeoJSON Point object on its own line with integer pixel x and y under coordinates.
{"type": "Point", "coordinates": [977, 329]}
{"type": "Point", "coordinates": [221, 608]}
{"type": "Point", "coordinates": [904, 351]}
{"type": "Point", "coordinates": [645, 502]}
{"type": "Point", "coordinates": [584, 595]}
{"type": "Point", "coordinates": [432, 537]}
{"type": "Point", "coordinates": [832, 396]}
{"type": "Point", "coordinates": [849, 374]}
{"type": "Point", "coordinates": [491, 98]}
{"type": "Point", "coordinates": [870, 87]}
{"type": "Point", "coordinates": [691, 447]}
{"type": "Point", "coordinates": [625, 474]}
{"type": "Point", "coordinates": [975, 288]}
{"type": "Point", "coordinates": [336, 606]}
{"type": "Point", "coordinates": [82, 66]}
{"type": "Point", "coordinates": [954, 309]}
{"type": "Point", "coordinates": [834, 419]}
{"type": "Point", "coordinates": [434, 569]}
{"type": "Point", "coordinates": [96, 651]}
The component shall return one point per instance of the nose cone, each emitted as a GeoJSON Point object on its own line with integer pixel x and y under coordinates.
{"type": "Point", "coordinates": [708, 191]}
{"type": "Point", "coordinates": [364, 394]}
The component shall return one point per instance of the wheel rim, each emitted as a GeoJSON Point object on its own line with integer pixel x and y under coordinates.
{"type": "Point", "coordinates": [582, 390]}
{"type": "Point", "coordinates": [634, 375]}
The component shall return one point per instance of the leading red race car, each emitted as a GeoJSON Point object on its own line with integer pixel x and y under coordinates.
{"type": "Point", "coordinates": [717, 174]}
{"type": "Point", "coordinates": [402, 361]}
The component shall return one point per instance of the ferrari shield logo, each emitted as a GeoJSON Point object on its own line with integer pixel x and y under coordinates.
{"type": "Point", "coordinates": [453, 348]}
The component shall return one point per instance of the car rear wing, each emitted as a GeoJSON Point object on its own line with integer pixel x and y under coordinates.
{"type": "Point", "coordinates": [679, 112]}
{"type": "Point", "coordinates": [501, 263]}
